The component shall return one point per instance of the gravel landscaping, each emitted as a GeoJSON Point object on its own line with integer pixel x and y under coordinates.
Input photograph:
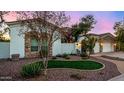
{"type": "Point", "coordinates": [11, 71]}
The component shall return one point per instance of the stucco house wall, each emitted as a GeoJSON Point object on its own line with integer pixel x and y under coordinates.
{"type": "Point", "coordinates": [68, 48]}
{"type": "Point", "coordinates": [56, 47]}
{"type": "Point", "coordinates": [17, 42]}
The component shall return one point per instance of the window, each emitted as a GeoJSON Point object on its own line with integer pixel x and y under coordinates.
{"type": "Point", "coordinates": [34, 45]}
{"type": "Point", "coordinates": [44, 47]}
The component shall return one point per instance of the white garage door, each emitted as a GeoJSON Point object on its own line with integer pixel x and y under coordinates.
{"type": "Point", "coordinates": [107, 47]}
{"type": "Point", "coordinates": [4, 50]}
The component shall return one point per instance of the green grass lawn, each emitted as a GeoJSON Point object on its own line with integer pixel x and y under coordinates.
{"type": "Point", "coordinates": [84, 65]}
{"type": "Point", "coordinates": [33, 69]}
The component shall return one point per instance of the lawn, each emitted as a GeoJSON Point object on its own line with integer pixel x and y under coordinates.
{"type": "Point", "coordinates": [33, 69]}
{"type": "Point", "coordinates": [84, 65]}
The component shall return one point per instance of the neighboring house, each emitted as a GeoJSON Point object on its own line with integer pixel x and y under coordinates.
{"type": "Point", "coordinates": [105, 42]}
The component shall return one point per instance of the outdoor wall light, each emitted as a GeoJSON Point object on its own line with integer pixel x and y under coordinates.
{"type": "Point", "coordinates": [78, 45]}
{"type": "Point", "coordinates": [101, 44]}
{"type": "Point", "coordinates": [115, 44]}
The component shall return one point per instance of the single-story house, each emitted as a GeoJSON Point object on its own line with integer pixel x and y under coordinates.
{"type": "Point", "coordinates": [27, 47]}
{"type": "Point", "coordinates": [105, 42]}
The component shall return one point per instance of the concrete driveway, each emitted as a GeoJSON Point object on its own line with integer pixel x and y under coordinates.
{"type": "Point", "coordinates": [119, 64]}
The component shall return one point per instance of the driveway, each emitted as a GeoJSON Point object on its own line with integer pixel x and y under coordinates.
{"type": "Point", "coordinates": [120, 64]}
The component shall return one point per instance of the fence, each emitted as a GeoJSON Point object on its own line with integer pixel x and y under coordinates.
{"type": "Point", "coordinates": [68, 48]}
{"type": "Point", "coordinates": [4, 50]}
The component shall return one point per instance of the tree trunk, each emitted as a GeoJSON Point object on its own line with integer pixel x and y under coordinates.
{"type": "Point", "coordinates": [45, 61]}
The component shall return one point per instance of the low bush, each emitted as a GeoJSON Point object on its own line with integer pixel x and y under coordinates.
{"type": "Point", "coordinates": [65, 55]}
{"type": "Point", "coordinates": [58, 55]}
{"type": "Point", "coordinates": [72, 54]}
{"type": "Point", "coordinates": [84, 55]}
{"type": "Point", "coordinates": [54, 57]}
{"type": "Point", "coordinates": [30, 70]}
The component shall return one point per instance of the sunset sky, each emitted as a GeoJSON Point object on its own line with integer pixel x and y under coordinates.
{"type": "Point", "coordinates": [105, 19]}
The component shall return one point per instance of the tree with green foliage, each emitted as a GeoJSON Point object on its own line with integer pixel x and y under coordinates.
{"type": "Point", "coordinates": [85, 25]}
{"type": "Point", "coordinates": [119, 28]}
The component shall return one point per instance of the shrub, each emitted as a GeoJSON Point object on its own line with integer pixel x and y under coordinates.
{"type": "Point", "coordinates": [58, 55]}
{"type": "Point", "coordinates": [65, 55]}
{"type": "Point", "coordinates": [83, 55]}
{"type": "Point", "coordinates": [54, 57]}
{"type": "Point", "coordinates": [72, 54]}
{"type": "Point", "coordinates": [30, 70]}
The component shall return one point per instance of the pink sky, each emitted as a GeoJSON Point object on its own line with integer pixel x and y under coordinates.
{"type": "Point", "coordinates": [105, 20]}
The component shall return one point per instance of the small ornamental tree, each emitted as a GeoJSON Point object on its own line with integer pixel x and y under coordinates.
{"type": "Point", "coordinates": [46, 26]}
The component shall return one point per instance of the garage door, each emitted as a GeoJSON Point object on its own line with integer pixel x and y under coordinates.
{"type": "Point", "coordinates": [107, 47]}
{"type": "Point", "coordinates": [4, 50]}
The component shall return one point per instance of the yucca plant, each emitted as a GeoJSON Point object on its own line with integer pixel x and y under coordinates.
{"type": "Point", "coordinates": [30, 70]}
